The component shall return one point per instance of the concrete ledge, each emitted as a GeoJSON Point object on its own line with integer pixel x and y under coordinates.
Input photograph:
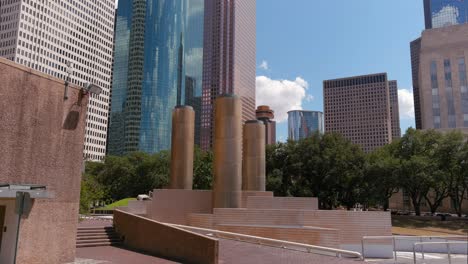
{"type": "Point", "coordinates": [325, 237]}
{"type": "Point", "coordinates": [159, 239]}
{"type": "Point", "coordinates": [297, 203]}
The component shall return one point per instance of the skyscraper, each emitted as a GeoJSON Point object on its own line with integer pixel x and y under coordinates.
{"type": "Point", "coordinates": [360, 109]}
{"type": "Point", "coordinates": [394, 109]}
{"type": "Point", "coordinates": [415, 48]}
{"type": "Point", "coordinates": [266, 115]}
{"type": "Point", "coordinates": [440, 74]}
{"type": "Point", "coordinates": [228, 59]}
{"type": "Point", "coordinates": [303, 124]}
{"type": "Point", "coordinates": [158, 65]}
{"type": "Point", "coordinates": [62, 37]}
{"type": "Point", "coordinates": [442, 13]}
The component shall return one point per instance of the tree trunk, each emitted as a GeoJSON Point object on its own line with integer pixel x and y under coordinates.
{"type": "Point", "coordinates": [416, 205]}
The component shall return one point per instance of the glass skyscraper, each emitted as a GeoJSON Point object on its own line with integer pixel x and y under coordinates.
{"type": "Point", "coordinates": [158, 64]}
{"type": "Point", "coordinates": [303, 124]}
{"type": "Point", "coordinates": [441, 13]}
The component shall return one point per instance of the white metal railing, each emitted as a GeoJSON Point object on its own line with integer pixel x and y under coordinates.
{"type": "Point", "coordinates": [421, 244]}
{"type": "Point", "coordinates": [273, 242]}
{"type": "Point", "coordinates": [408, 238]}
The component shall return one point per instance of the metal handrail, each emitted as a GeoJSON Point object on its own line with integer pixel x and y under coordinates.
{"type": "Point", "coordinates": [420, 238]}
{"type": "Point", "coordinates": [435, 243]}
{"type": "Point", "coordinates": [283, 243]}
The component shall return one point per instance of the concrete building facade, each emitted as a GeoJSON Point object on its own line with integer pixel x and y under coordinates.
{"type": "Point", "coordinates": [303, 124]}
{"type": "Point", "coordinates": [42, 141]}
{"type": "Point", "coordinates": [360, 109]}
{"type": "Point", "coordinates": [228, 59]}
{"type": "Point", "coordinates": [441, 70]}
{"type": "Point", "coordinates": [266, 115]}
{"type": "Point", "coordinates": [65, 38]}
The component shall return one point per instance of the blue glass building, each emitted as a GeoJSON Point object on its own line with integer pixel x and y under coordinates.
{"type": "Point", "coordinates": [303, 124]}
{"type": "Point", "coordinates": [441, 13]}
{"type": "Point", "coordinates": [158, 64]}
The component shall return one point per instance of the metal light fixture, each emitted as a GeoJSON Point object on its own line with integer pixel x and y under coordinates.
{"type": "Point", "coordinates": [92, 89]}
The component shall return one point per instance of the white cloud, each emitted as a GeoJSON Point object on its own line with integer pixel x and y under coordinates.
{"type": "Point", "coordinates": [281, 95]}
{"type": "Point", "coordinates": [264, 65]}
{"type": "Point", "coordinates": [309, 98]}
{"type": "Point", "coordinates": [406, 104]}
{"type": "Point", "coordinates": [445, 17]}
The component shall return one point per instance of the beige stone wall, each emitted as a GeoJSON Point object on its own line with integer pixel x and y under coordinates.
{"type": "Point", "coordinates": [264, 202]}
{"type": "Point", "coordinates": [42, 142]}
{"type": "Point", "coordinates": [163, 240]}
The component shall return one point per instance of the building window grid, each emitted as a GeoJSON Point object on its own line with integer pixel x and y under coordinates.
{"type": "Point", "coordinates": [435, 95]}
{"type": "Point", "coordinates": [449, 94]}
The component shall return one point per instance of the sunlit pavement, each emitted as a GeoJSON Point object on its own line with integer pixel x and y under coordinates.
{"type": "Point", "coordinates": [429, 258]}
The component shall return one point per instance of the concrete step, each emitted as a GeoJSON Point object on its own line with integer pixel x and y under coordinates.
{"type": "Point", "coordinates": [102, 244]}
{"type": "Point", "coordinates": [80, 238]}
{"type": "Point", "coordinates": [96, 237]}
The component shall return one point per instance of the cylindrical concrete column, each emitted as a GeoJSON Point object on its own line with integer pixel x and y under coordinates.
{"type": "Point", "coordinates": [253, 160]}
{"type": "Point", "coordinates": [182, 144]}
{"type": "Point", "coordinates": [227, 152]}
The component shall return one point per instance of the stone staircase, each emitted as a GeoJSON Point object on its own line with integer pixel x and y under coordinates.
{"type": "Point", "coordinates": [97, 237]}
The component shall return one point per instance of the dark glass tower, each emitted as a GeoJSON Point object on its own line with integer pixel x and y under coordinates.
{"type": "Point", "coordinates": [158, 65]}
{"type": "Point", "coordinates": [441, 13]}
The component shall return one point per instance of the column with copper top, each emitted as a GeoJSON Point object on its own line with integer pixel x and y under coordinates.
{"type": "Point", "coordinates": [183, 134]}
{"type": "Point", "coordinates": [253, 161]}
{"type": "Point", "coordinates": [227, 152]}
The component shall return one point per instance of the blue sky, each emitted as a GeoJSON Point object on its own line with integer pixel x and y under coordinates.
{"type": "Point", "coordinates": [300, 43]}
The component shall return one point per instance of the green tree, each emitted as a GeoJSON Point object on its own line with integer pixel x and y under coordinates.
{"type": "Point", "coordinates": [202, 169]}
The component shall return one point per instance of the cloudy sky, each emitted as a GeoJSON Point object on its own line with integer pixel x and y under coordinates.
{"type": "Point", "coordinates": [300, 43]}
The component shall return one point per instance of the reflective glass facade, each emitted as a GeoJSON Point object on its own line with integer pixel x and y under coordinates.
{"type": "Point", "coordinates": [158, 65]}
{"type": "Point", "coordinates": [303, 124]}
{"type": "Point", "coordinates": [441, 13]}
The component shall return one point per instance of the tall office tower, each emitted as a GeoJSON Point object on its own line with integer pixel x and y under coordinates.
{"type": "Point", "coordinates": [394, 109]}
{"type": "Point", "coordinates": [58, 37]}
{"type": "Point", "coordinates": [303, 124]}
{"type": "Point", "coordinates": [228, 59]}
{"type": "Point", "coordinates": [441, 77]}
{"type": "Point", "coordinates": [266, 115]}
{"type": "Point", "coordinates": [442, 13]}
{"type": "Point", "coordinates": [158, 65]}
{"type": "Point", "coordinates": [415, 47]}
{"type": "Point", "coordinates": [360, 109]}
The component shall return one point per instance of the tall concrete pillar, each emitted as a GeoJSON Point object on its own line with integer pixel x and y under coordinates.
{"type": "Point", "coordinates": [253, 160]}
{"type": "Point", "coordinates": [227, 152]}
{"type": "Point", "coordinates": [182, 144]}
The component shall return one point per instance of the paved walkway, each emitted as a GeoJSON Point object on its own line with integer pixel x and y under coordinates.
{"type": "Point", "coordinates": [429, 258]}
{"type": "Point", "coordinates": [231, 252]}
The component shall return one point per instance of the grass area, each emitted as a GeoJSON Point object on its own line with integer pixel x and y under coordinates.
{"type": "Point", "coordinates": [403, 225]}
{"type": "Point", "coordinates": [123, 202]}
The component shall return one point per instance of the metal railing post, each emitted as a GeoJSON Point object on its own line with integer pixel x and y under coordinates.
{"type": "Point", "coordinates": [362, 249]}
{"type": "Point", "coordinates": [448, 253]}
{"type": "Point", "coordinates": [394, 250]}
{"type": "Point", "coordinates": [422, 247]}
{"type": "Point", "coordinates": [414, 253]}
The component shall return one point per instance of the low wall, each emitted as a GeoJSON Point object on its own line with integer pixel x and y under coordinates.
{"type": "Point", "coordinates": [298, 203]}
{"type": "Point", "coordinates": [325, 237]}
{"type": "Point", "coordinates": [174, 206]}
{"type": "Point", "coordinates": [136, 207]}
{"type": "Point", "coordinates": [159, 239]}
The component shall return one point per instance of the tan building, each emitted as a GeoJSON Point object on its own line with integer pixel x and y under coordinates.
{"type": "Point", "coordinates": [439, 72]}
{"type": "Point", "coordinates": [360, 109]}
{"type": "Point", "coordinates": [401, 201]}
{"type": "Point", "coordinates": [42, 141]}
{"type": "Point", "coordinates": [266, 115]}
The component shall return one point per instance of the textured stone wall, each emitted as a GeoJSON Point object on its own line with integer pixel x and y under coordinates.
{"type": "Point", "coordinates": [42, 139]}
{"type": "Point", "coordinates": [156, 238]}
